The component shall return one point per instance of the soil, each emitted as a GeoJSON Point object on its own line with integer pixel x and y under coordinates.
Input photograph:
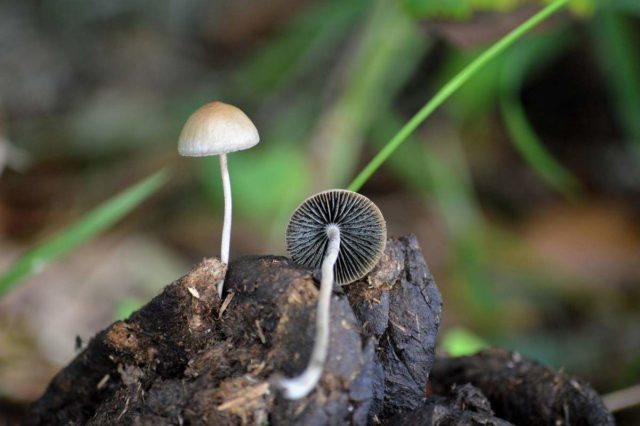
{"type": "Point", "coordinates": [188, 357]}
{"type": "Point", "coordinates": [522, 390]}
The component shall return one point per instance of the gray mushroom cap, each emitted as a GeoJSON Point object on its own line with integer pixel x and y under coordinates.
{"type": "Point", "coordinates": [217, 128]}
{"type": "Point", "coordinates": [363, 233]}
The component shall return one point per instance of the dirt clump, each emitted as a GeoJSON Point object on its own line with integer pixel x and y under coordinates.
{"type": "Point", "coordinates": [190, 358]}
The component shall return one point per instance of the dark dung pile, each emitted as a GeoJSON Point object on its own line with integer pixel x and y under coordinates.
{"type": "Point", "coordinates": [188, 357]}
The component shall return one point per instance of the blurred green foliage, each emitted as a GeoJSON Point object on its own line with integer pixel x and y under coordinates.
{"type": "Point", "coordinates": [301, 45]}
{"type": "Point", "coordinates": [460, 342]}
{"type": "Point", "coordinates": [617, 48]}
{"type": "Point", "coordinates": [255, 175]}
{"type": "Point", "coordinates": [449, 88]}
{"type": "Point", "coordinates": [439, 172]}
{"type": "Point", "coordinates": [374, 74]}
{"type": "Point", "coordinates": [514, 69]}
{"type": "Point", "coordinates": [455, 9]}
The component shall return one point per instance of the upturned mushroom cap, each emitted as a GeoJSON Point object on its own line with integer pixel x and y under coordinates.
{"type": "Point", "coordinates": [363, 233]}
{"type": "Point", "coordinates": [216, 128]}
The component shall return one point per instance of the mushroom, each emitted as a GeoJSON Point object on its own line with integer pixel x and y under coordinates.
{"type": "Point", "coordinates": [344, 234]}
{"type": "Point", "coordinates": [217, 128]}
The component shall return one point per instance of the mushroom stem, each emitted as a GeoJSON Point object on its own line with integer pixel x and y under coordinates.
{"type": "Point", "coordinates": [226, 227]}
{"type": "Point", "coordinates": [300, 386]}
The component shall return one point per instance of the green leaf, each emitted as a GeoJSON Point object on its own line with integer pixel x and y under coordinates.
{"type": "Point", "coordinates": [126, 307]}
{"type": "Point", "coordinates": [95, 222]}
{"type": "Point", "coordinates": [460, 342]}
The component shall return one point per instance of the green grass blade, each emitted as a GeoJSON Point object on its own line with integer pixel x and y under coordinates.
{"type": "Point", "coordinates": [95, 222]}
{"type": "Point", "coordinates": [517, 64]}
{"type": "Point", "coordinates": [448, 89]}
{"type": "Point", "coordinates": [616, 43]}
{"type": "Point", "coordinates": [531, 148]}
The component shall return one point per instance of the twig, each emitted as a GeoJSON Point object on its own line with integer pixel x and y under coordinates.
{"type": "Point", "coordinates": [103, 382]}
{"type": "Point", "coordinates": [250, 394]}
{"type": "Point", "coordinates": [261, 335]}
{"type": "Point", "coordinates": [225, 304]}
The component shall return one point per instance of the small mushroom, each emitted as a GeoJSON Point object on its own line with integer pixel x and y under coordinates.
{"type": "Point", "coordinates": [344, 234]}
{"type": "Point", "coordinates": [217, 128]}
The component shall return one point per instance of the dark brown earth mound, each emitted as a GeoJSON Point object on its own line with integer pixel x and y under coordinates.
{"type": "Point", "coordinates": [189, 358]}
{"type": "Point", "coordinates": [523, 390]}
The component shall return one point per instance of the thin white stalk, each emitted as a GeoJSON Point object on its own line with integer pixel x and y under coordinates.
{"type": "Point", "coordinates": [299, 387]}
{"type": "Point", "coordinates": [622, 399]}
{"type": "Point", "coordinates": [226, 227]}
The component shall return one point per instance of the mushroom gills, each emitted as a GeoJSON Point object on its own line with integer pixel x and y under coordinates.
{"type": "Point", "coordinates": [362, 228]}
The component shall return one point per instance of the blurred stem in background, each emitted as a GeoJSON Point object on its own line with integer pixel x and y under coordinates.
{"type": "Point", "coordinates": [517, 65]}
{"type": "Point", "coordinates": [617, 47]}
{"type": "Point", "coordinates": [311, 37]}
{"type": "Point", "coordinates": [374, 66]}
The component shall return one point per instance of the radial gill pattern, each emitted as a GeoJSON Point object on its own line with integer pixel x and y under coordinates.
{"type": "Point", "coordinates": [363, 233]}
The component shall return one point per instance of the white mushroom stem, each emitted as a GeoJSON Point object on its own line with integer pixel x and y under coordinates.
{"type": "Point", "coordinates": [226, 227]}
{"type": "Point", "coordinates": [299, 387]}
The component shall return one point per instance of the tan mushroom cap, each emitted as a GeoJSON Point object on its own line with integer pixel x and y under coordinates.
{"type": "Point", "coordinates": [217, 128]}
